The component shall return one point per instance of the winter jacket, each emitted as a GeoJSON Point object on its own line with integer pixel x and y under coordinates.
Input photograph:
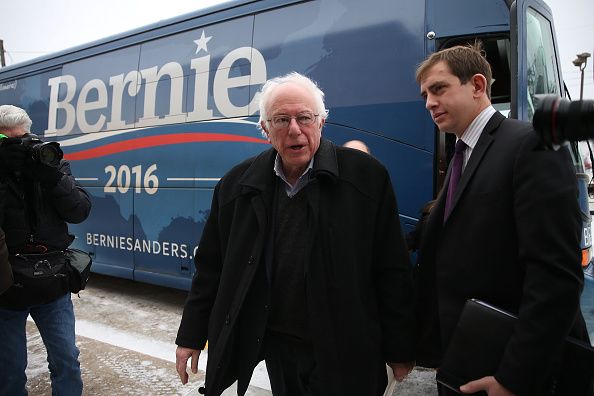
{"type": "Point", "coordinates": [359, 290]}
{"type": "Point", "coordinates": [36, 217]}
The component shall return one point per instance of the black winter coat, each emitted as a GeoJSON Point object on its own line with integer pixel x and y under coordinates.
{"type": "Point", "coordinates": [35, 215]}
{"type": "Point", "coordinates": [359, 288]}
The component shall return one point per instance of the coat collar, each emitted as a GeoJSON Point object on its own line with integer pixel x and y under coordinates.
{"type": "Point", "coordinates": [325, 161]}
{"type": "Point", "coordinates": [260, 174]}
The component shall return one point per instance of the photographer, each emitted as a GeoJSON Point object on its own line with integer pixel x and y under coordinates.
{"type": "Point", "coordinates": [39, 199]}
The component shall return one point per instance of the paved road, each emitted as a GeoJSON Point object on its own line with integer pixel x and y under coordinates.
{"type": "Point", "coordinates": [126, 330]}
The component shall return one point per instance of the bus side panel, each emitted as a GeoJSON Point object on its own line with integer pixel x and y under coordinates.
{"type": "Point", "coordinates": [151, 127]}
{"type": "Point", "coordinates": [464, 18]}
{"type": "Point", "coordinates": [364, 59]}
{"type": "Point", "coordinates": [167, 246]}
{"type": "Point", "coordinates": [155, 193]}
{"type": "Point", "coordinates": [32, 94]}
{"type": "Point", "coordinates": [107, 233]}
{"type": "Point", "coordinates": [152, 172]}
{"type": "Point", "coordinates": [415, 184]}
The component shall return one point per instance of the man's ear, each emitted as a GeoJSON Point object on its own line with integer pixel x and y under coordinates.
{"type": "Point", "coordinates": [322, 122]}
{"type": "Point", "coordinates": [479, 82]}
{"type": "Point", "coordinates": [263, 125]}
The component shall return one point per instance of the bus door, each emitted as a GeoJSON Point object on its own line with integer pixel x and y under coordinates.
{"type": "Point", "coordinates": [536, 71]}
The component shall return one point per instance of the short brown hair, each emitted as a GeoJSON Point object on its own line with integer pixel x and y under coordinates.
{"type": "Point", "coordinates": [464, 62]}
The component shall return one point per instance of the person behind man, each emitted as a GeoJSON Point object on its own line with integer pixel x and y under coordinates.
{"type": "Point", "coordinates": [302, 263]}
{"type": "Point", "coordinates": [508, 234]}
{"type": "Point", "coordinates": [39, 201]}
{"type": "Point", "coordinates": [357, 145]}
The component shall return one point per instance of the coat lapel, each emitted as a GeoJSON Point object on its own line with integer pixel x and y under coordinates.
{"type": "Point", "coordinates": [259, 181]}
{"type": "Point", "coordinates": [325, 170]}
{"type": "Point", "coordinates": [258, 184]}
{"type": "Point", "coordinates": [478, 153]}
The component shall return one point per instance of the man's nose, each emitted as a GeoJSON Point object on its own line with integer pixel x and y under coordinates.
{"type": "Point", "coordinates": [430, 102]}
{"type": "Point", "coordinates": [294, 128]}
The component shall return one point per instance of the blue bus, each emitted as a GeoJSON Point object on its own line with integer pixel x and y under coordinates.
{"type": "Point", "coordinates": [152, 118]}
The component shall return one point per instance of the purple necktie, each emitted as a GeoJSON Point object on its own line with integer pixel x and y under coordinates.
{"type": "Point", "coordinates": [455, 176]}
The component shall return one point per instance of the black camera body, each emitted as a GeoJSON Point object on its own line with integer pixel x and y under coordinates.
{"type": "Point", "coordinates": [47, 153]}
{"type": "Point", "coordinates": [557, 119]}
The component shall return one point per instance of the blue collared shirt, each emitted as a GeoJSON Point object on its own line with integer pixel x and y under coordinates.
{"type": "Point", "coordinates": [301, 182]}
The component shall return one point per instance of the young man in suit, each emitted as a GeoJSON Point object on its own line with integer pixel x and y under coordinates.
{"type": "Point", "coordinates": [505, 229]}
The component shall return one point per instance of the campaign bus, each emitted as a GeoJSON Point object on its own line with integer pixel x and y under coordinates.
{"type": "Point", "coordinates": [151, 119]}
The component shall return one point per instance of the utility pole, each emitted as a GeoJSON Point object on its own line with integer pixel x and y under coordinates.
{"type": "Point", "coordinates": [2, 63]}
{"type": "Point", "coordinates": [580, 62]}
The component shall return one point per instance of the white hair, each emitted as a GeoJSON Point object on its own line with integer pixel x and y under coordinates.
{"type": "Point", "coordinates": [294, 78]}
{"type": "Point", "coordinates": [13, 117]}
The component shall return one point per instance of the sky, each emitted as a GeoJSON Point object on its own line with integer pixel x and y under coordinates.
{"type": "Point", "coordinates": [34, 28]}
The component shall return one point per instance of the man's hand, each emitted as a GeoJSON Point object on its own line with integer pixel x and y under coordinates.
{"type": "Point", "coordinates": [487, 384]}
{"type": "Point", "coordinates": [401, 370]}
{"type": "Point", "coordinates": [181, 360]}
{"type": "Point", "coordinates": [47, 175]}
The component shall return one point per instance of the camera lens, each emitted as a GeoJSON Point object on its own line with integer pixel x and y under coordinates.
{"type": "Point", "coordinates": [558, 119]}
{"type": "Point", "coordinates": [48, 153]}
{"type": "Point", "coordinates": [577, 119]}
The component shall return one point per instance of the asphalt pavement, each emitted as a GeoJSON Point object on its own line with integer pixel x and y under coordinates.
{"type": "Point", "coordinates": [126, 332]}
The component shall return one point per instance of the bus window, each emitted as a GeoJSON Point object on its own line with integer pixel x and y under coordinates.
{"type": "Point", "coordinates": [542, 72]}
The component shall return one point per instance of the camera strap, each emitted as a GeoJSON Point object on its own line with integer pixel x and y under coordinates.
{"type": "Point", "coordinates": [29, 192]}
{"type": "Point", "coordinates": [33, 204]}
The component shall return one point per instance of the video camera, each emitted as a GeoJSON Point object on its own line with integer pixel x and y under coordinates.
{"type": "Point", "coordinates": [47, 153]}
{"type": "Point", "coordinates": [557, 119]}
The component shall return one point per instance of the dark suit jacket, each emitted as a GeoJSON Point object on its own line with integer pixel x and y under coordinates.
{"type": "Point", "coordinates": [512, 240]}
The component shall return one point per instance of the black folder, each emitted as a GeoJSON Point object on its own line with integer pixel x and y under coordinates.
{"type": "Point", "coordinates": [478, 344]}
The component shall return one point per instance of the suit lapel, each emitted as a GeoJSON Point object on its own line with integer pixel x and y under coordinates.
{"type": "Point", "coordinates": [478, 153]}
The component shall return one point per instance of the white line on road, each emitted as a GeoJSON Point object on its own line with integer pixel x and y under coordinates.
{"type": "Point", "coordinates": [154, 348]}
{"type": "Point", "coordinates": [138, 343]}
{"type": "Point", "coordinates": [151, 347]}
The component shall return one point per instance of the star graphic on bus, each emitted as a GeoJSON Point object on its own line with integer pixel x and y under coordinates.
{"type": "Point", "coordinates": [201, 42]}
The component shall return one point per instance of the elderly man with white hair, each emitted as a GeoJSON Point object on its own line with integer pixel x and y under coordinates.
{"type": "Point", "coordinates": [302, 263]}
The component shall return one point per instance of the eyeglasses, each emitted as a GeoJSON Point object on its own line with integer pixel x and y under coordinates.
{"type": "Point", "coordinates": [282, 121]}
